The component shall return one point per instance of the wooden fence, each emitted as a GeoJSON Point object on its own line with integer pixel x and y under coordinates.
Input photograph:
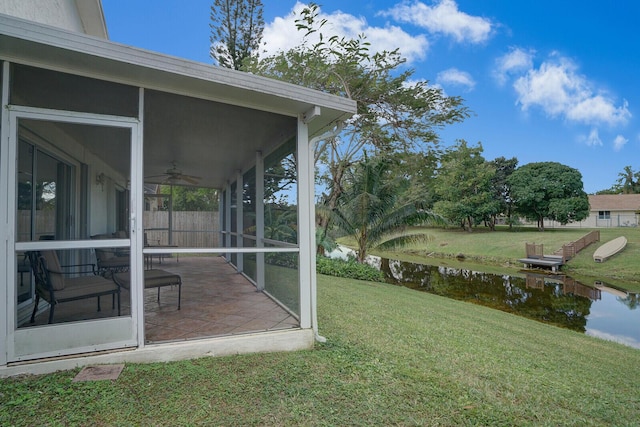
{"type": "Point", "coordinates": [570, 250]}
{"type": "Point", "coordinates": [189, 229]}
{"type": "Point", "coordinates": [45, 224]}
{"type": "Point", "coordinates": [569, 286]}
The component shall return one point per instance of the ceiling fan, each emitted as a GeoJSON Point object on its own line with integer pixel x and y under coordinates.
{"type": "Point", "coordinates": [173, 175]}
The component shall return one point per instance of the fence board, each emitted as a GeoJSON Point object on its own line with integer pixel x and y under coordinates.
{"type": "Point", "coordinates": [190, 229]}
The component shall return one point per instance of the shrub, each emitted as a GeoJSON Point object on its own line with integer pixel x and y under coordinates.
{"type": "Point", "coordinates": [348, 269]}
{"type": "Point", "coordinates": [287, 260]}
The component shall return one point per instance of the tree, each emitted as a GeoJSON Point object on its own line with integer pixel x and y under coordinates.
{"type": "Point", "coordinates": [629, 181]}
{"type": "Point", "coordinates": [191, 198]}
{"type": "Point", "coordinates": [500, 184]}
{"type": "Point", "coordinates": [236, 31]}
{"type": "Point", "coordinates": [417, 174]}
{"type": "Point", "coordinates": [464, 187]}
{"type": "Point", "coordinates": [394, 114]}
{"type": "Point", "coordinates": [549, 190]}
{"type": "Point", "coordinates": [367, 210]}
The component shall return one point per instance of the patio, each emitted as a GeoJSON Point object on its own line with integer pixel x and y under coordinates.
{"type": "Point", "coordinates": [216, 301]}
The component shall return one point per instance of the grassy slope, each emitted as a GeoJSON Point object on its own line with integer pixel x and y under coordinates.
{"type": "Point", "coordinates": [394, 356]}
{"type": "Point", "coordinates": [500, 250]}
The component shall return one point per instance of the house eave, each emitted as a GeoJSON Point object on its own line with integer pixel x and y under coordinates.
{"type": "Point", "coordinates": [92, 18]}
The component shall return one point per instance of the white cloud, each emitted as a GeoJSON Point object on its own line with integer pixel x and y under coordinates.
{"type": "Point", "coordinates": [622, 339]}
{"type": "Point", "coordinates": [516, 61]}
{"type": "Point", "coordinates": [560, 91]}
{"type": "Point", "coordinates": [455, 77]}
{"type": "Point", "coordinates": [282, 34]}
{"type": "Point", "coordinates": [445, 18]}
{"type": "Point", "coordinates": [593, 139]}
{"type": "Point", "coordinates": [619, 142]}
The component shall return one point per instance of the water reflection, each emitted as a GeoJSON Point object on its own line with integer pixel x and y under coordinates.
{"type": "Point", "coordinates": [598, 310]}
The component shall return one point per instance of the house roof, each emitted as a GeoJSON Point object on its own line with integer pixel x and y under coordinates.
{"type": "Point", "coordinates": [186, 100]}
{"type": "Point", "coordinates": [614, 202]}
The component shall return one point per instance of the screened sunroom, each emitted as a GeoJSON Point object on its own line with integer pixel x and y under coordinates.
{"type": "Point", "coordinates": [98, 141]}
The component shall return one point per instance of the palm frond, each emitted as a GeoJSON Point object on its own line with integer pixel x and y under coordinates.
{"type": "Point", "coordinates": [392, 242]}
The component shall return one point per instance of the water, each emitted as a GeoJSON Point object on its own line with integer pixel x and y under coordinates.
{"type": "Point", "coordinates": [598, 310]}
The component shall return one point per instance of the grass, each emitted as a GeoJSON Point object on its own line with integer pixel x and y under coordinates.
{"type": "Point", "coordinates": [498, 252]}
{"type": "Point", "coordinates": [393, 357]}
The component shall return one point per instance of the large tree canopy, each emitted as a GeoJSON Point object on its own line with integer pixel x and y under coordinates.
{"type": "Point", "coordinates": [549, 190]}
{"type": "Point", "coordinates": [464, 186]}
{"type": "Point", "coordinates": [394, 112]}
{"type": "Point", "coordinates": [236, 31]}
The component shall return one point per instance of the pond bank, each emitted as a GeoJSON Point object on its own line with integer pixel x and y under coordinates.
{"type": "Point", "coordinates": [498, 252]}
{"type": "Point", "coordinates": [593, 308]}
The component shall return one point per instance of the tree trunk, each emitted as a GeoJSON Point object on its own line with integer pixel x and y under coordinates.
{"type": "Point", "coordinates": [337, 174]}
{"type": "Point", "coordinates": [362, 247]}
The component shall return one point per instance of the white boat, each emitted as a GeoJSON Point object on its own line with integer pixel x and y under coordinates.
{"type": "Point", "coordinates": [612, 291]}
{"type": "Point", "coordinates": [609, 249]}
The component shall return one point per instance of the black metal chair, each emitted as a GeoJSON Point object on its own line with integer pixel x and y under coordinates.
{"type": "Point", "coordinates": [54, 284]}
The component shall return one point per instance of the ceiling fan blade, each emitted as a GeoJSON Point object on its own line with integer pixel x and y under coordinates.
{"type": "Point", "coordinates": [193, 180]}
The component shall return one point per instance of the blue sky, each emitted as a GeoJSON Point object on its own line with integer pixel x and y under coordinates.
{"type": "Point", "coordinates": [546, 80]}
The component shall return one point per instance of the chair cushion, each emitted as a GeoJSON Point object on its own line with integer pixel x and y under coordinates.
{"type": "Point", "coordinates": [55, 271]}
{"type": "Point", "coordinates": [82, 287]}
{"type": "Point", "coordinates": [152, 279]}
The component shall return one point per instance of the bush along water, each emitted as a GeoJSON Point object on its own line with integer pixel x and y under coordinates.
{"type": "Point", "coordinates": [350, 269]}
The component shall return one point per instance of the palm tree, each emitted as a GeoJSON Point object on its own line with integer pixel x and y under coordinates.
{"type": "Point", "coordinates": [626, 180]}
{"type": "Point", "coordinates": [367, 209]}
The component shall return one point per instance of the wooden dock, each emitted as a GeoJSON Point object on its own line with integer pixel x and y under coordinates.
{"type": "Point", "coordinates": [535, 256]}
{"type": "Point", "coordinates": [554, 262]}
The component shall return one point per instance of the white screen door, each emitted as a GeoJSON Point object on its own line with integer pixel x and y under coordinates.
{"type": "Point", "coordinates": [70, 174]}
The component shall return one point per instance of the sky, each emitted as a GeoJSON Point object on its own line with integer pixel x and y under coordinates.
{"type": "Point", "coordinates": [544, 80]}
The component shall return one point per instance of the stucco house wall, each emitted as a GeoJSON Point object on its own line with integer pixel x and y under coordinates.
{"type": "Point", "coordinates": [80, 16]}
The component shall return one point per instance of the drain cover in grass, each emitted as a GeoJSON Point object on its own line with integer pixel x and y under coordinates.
{"type": "Point", "coordinates": [101, 372]}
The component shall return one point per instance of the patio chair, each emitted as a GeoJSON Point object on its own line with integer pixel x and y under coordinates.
{"type": "Point", "coordinates": [111, 260]}
{"type": "Point", "coordinates": [54, 286]}
{"type": "Point", "coordinates": [152, 279]}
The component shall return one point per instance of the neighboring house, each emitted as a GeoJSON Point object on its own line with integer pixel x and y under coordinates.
{"type": "Point", "coordinates": [608, 210]}
{"type": "Point", "coordinates": [83, 122]}
{"type": "Point", "coordinates": [613, 210]}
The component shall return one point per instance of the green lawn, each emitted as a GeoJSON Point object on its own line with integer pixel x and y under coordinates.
{"type": "Point", "coordinates": [393, 357]}
{"type": "Point", "coordinates": [498, 251]}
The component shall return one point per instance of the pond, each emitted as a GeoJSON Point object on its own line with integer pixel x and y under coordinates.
{"type": "Point", "coordinates": [599, 310]}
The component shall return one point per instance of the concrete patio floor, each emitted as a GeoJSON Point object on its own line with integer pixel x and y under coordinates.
{"type": "Point", "coordinates": [216, 301]}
